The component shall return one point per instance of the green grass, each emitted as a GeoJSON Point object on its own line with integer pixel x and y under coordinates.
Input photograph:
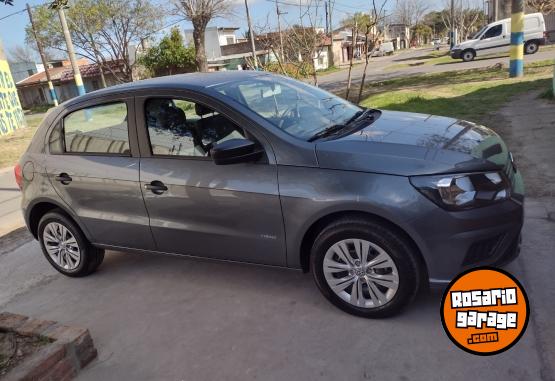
{"type": "Point", "coordinates": [13, 145]}
{"type": "Point", "coordinates": [468, 94]}
{"type": "Point", "coordinates": [331, 69]}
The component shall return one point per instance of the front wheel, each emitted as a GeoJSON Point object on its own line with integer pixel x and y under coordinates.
{"type": "Point", "coordinates": [65, 246]}
{"type": "Point", "coordinates": [468, 55]}
{"type": "Point", "coordinates": [531, 47]}
{"type": "Point", "coordinates": [365, 268]}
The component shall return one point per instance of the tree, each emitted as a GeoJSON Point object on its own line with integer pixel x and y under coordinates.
{"type": "Point", "coordinates": [543, 6]}
{"type": "Point", "coordinates": [199, 13]}
{"type": "Point", "coordinates": [468, 17]}
{"type": "Point", "coordinates": [372, 36]}
{"type": "Point", "coordinates": [22, 53]}
{"type": "Point", "coordinates": [421, 33]}
{"type": "Point", "coordinates": [170, 56]}
{"type": "Point", "coordinates": [7, 2]}
{"type": "Point", "coordinates": [410, 12]}
{"type": "Point", "coordinates": [358, 18]}
{"type": "Point", "coordinates": [101, 30]}
{"type": "Point", "coordinates": [435, 21]}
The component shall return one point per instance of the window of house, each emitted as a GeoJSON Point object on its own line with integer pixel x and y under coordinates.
{"type": "Point", "coordinates": [97, 130]}
{"type": "Point", "coordinates": [230, 40]}
{"type": "Point", "coordinates": [184, 128]}
{"type": "Point", "coordinates": [95, 84]}
{"type": "Point", "coordinates": [494, 31]}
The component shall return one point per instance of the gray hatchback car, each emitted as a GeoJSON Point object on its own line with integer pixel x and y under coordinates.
{"type": "Point", "coordinates": [259, 168]}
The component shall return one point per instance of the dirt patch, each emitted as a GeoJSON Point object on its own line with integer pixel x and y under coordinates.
{"type": "Point", "coordinates": [527, 124]}
{"type": "Point", "coordinates": [14, 348]}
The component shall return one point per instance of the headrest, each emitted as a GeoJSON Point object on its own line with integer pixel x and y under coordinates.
{"type": "Point", "coordinates": [202, 110]}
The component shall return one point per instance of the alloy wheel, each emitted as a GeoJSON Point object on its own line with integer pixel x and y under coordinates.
{"type": "Point", "coordinates": [61, 246]}
{"type": "Point", "coordinates": [361, 273]}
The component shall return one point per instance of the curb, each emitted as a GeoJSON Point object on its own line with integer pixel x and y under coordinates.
{"type": "Point", "coordinates": [70, 349]}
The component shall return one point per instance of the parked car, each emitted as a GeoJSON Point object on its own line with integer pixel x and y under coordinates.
{"type": "Point", "coordinates": [496, 38]}
{"type": "Point", "coordinates": [254, 167]}
{"type": "Point", "coordinates": [385, 49]}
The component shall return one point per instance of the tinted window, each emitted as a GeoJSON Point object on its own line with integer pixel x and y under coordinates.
{"type": "Point", "coordinates": [494, 31]}
{"type": "Point", "coordinates": [99, 129]}
{"type": "Point", "coordinates": [297, 108]}
{"type": "Point", "coordinates": [183, 128]}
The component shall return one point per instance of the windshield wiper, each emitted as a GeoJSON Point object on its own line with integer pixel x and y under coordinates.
{"type": "Point", "coordinates": [327, 132]}
{"type": "Point", "coordinates": [363, 114]}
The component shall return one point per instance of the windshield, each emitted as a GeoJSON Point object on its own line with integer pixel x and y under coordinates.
{"type": "Point", "coordinates": [477, 35]}
{"type": "Point", "coordinates": [299, 109]}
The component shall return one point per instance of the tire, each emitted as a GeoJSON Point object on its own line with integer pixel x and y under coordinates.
{"type": "Point", "coordinates": [531, 47]}
{"type": "Point", "coordinates": [76, 257]}
{"type": "Point", "coordinates": [468, 55]}
{"type": "Point", "coordinates": [400, 259]}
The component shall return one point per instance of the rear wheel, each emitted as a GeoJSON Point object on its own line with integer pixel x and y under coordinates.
{"type": "Point", "coordinates": [365, 268]}
{"type": "Point", "coordinates": [468, 55]}
{"type": "Point", "coordinates": [531, 47]}
{"type": "Point", "coordinates": [65, 246]}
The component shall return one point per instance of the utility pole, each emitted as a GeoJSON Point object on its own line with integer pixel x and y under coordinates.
{"type": "Point", "coordinates": [59, 6]}
{"type": "Point", "coordinates": [452, 31]}
{"type": "Point", "coordinates": [326, 10]}
{"type": "Point", "coordinates": [251, 33]}
{"type": "Point", "coordinates": [42, 58]}
{"type": "Point", "coordinates": [516, 66]}
{"type": "Point", "coordinates": [279, 13]}
{"type": "Point", "coordinates": [330, 26]}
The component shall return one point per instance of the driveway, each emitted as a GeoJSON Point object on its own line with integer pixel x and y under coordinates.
{"type": "Point", "coordinates": [377, 68]}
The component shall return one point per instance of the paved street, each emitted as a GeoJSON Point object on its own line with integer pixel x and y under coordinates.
{"type": "Point", "coordinates": [170, 318]}
{"type": "Point", "coordinates": [377, 68]}
{"type": "Point", "coordinates": [10, 212]}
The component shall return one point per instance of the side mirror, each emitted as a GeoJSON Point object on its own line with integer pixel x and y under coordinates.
{"type": "Point", "coordinates": [234, 151]}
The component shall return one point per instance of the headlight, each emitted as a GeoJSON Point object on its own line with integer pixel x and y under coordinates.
{"type": "Point", "coordinates": [464, 191]}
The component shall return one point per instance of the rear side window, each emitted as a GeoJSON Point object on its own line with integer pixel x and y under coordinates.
{"type": "Point", "coordinates": [97, 130]}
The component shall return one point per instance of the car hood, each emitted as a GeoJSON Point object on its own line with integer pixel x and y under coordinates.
{"type": "Point", "coordinates": [465, 44]}
{"type": "Point", "coordinates": [407, 144]}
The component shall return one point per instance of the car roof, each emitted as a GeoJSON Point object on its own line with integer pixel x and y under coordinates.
{"type": "Point", "coordinates": [189, 81]}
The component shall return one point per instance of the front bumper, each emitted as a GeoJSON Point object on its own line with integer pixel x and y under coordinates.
{"type": "Point", "coordinates": [456, 53]}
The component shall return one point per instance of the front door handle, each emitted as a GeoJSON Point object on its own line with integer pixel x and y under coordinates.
{"type": "Point", "coordinates": [156, 187]}
{"type": "Point", "coordinates": [64, 178]}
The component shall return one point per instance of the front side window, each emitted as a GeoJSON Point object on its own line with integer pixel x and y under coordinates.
{"type": "Point", "coordinates": [98, 130]}
{"type": "Point", "coordinates": [296, 108]}
{"type": "Point", "coordinates": [494, 31]}
{"type": "Point", "coordinates": [183, 128]}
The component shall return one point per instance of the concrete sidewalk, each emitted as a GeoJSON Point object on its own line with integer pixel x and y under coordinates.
{"type": "Point", "coordinates": [10, 199]}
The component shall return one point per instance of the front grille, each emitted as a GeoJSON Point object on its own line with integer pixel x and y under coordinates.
{"type": "Point", "coordinates": [482, 250]}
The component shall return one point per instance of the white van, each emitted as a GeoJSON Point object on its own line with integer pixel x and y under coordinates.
{"type": "Point", "coordinates": [496, 38]}
{"type": "Point", "coordinates": [385, 49]}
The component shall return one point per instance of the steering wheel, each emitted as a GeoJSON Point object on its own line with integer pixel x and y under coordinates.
{"type": "Point", "coordinates": [290, 114]}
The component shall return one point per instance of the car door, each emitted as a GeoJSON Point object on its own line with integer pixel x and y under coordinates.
{"type": "Point", "coordinates": [493, 40]}
{"type": "Point", "coordinates": [93, 164]}
{"type": "Point", "coordinates": [196, 207]}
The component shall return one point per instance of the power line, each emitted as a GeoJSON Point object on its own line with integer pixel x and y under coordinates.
{"type": "Point", "coordinates": [13, 14]}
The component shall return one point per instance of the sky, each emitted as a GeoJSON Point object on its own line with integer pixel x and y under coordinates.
{"type": "Point", "coordinates": [263, 13]}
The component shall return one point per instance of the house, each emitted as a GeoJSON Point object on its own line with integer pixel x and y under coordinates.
{"type": "Point", "coordinates": [343, 47]}
{"type": "Point", "coordinates": [214, 38]}
{"type": "Point", "coordinates": [33, 90]}
{"type": "Point", "coordinates": [399, 34]}
{"type": "Point", "coordinates": [22, 70]}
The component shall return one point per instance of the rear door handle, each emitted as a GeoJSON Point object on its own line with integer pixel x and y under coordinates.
{"type": "Point", "coordinates": [64, 178]}
{"type": "Point", "coordinates": [156, 187]}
